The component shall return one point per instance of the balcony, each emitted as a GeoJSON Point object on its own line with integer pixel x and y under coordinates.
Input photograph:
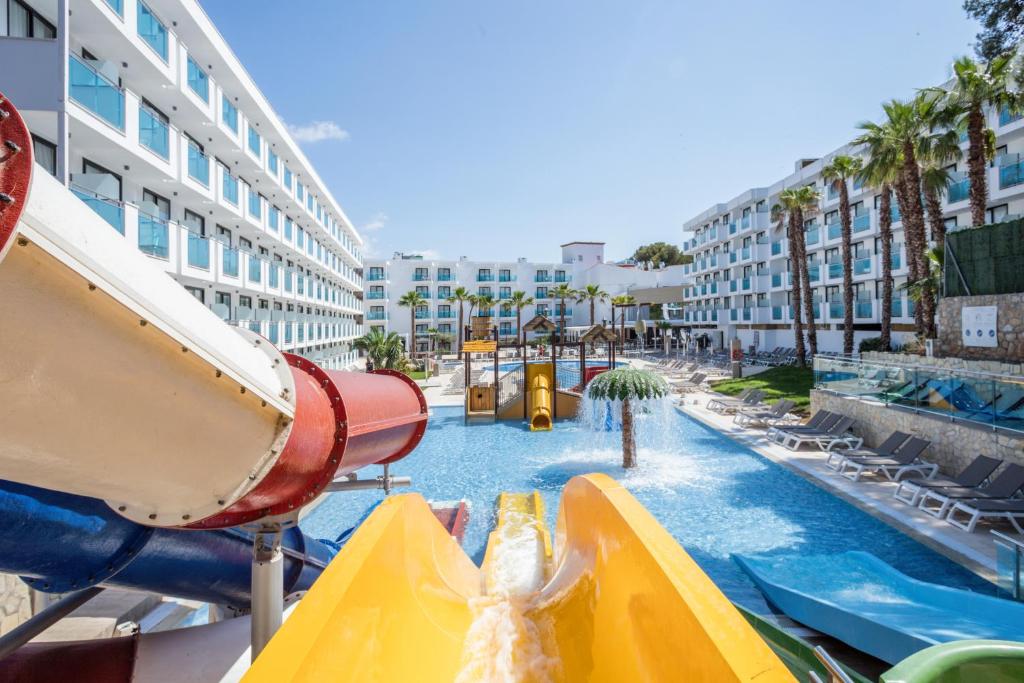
{"type": "Point", "coordinates": [541, 294]}
{"type": "Point", "coordinates": [198, 166]}
{"type": "Point", "coordinates": [506, 314]}
{"type": "Point", "coordinates": [862, 266]}
{"type": "Point", "coordinates": [563, 278]}
{"type": "Point", "coordinates": [375, 295]}
{"type": "Point", "coordinates": [813, 236]}
{"type": "Point", "coordinates": [446, 314]}
{"type": "Point", "coordinates": [814, 272]}
{"type": "Point", "coordinates": [862, 221]}
{"type": "Point", "coordinates": [1011, 174]}
{"type": "Point", "coordinates": [153, 236]}
{"type": "Point", "coordinates": [863, 309]}
{"type": "Point", "coordinates": [423, 315]}
{"type": "Point", "coordinates": [777, 313]}
{"type": "Point", "coordinates": [376, 277]}
{"type": "Point", "coordinates": [835, 230]}
{"type": "Point", "coordinates": [542, 277]}
{"type": "Point", "coordinates": [229, 262]}
{"type": "Point", "coordinates": [484, 277]}
{"type": "Point", "coordinates": [444, 277]}
{"type": "Point", "coordinates": [423, 293]}
{"type": "Point", "coordinates": [836, 309]}
{"type": "Point", "coordinates": [229, 188]}
{"type": "Point", "coordinates": [958, 190]}
{"type": "Point", "coordinates": [377, 315]}
{"type": "Point", "coordinates": [421, 277]}
{"type": "Point", "coordinates": [154, 134]}
{"type": "Point", "coordinates": [109, 210]}
{"type": "Point", "coordinates": [198, 251]}
{"type": "Point", "coordinates": [1006, 117]}
{"type": "Point", "coordinates": [745, 254]}
{"type": "Point", "coordinates": [506, 278]}
{"type": "Point", "coordinates": [745, 222]}
{"type": "Point", "coordinates": [776, 248]}
{"type": "Point", "coordinates": [835, 271]}
{"type": "Point", "coordinates": [95, 92]}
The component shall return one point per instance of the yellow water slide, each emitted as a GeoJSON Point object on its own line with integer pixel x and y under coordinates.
{"type": "Point", "coordinates": [617, 600]}
{"type": "Point", "coordinates": [540, 387]}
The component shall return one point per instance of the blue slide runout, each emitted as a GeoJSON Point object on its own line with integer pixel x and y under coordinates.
{"type": "Point", "coordinates": [865, 603]}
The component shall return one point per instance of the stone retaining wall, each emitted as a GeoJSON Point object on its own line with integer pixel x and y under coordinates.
{"type": "Point", "coordinates": [15, 602]}
{"type": "Point", "coordinates": [1009, 327]}
{"type": "Point", "coordinates": [954, 444]}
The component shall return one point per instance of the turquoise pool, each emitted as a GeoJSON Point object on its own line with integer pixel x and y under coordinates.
{"type": "Point", "coordinates": [714, 495]}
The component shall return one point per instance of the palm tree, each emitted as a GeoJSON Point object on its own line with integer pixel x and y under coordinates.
{"type": "Point", "coordinates": [383, 349]}
{"type": "Point", "coordinates": [432, 337]}
{"type": "Point", "coordinates": [562, 292]}
{"type": "Point", "coordinates": [593, 294]}
{"type": "Point", "coordinates": [627, 384]}
{"type": "Point", "coordinates": [622, 301]}
{"type": "Point", "coordinates": [837, 174]}
{"type": "Point", "coordinates": [413, 300]}
{"type": "Point", "coordinates": [520, 300]}
{"type": "Point", "coordinates": [460, 296]}
{"type": "Point", "coordinates": [976, 86]}
{"type": "Point", "coordinates": [806, 204]}
{"type": "Point", "coordinates": [786, 217]}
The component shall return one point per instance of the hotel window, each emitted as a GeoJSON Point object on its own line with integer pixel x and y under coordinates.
{"type": "Point", "coordinates": [998, 213]}
{"type": "Point", "coordinates": [197, 80]}
{"type": "Point", "coordinates": [254, 141]}
{"type": "Point", "coordinates": [255, 204]}
{"type": "Point", "coordinates": [229, 114]}
{"type": "Point", "coordinates": [45, 154]}
{"type": "Point", "coordinates": [505, 293]}
{"type": "Point", "coordinates": [152, 31]}
{"type": "Point", "coordinates": [421, 274]}
{"type": "Point", "coordinates": [444, 273]}
{"type": "Point", "coordinates": [444, 292]}
{"type": "Point", "coordinates": [950, 223]}
{"type": "Point", "coordinates": [287, 178]}
{"type": "Point", "coordinates": [484, 291]}
{"type": "Point", "coordinates": [272, 162]}
{"type": "Point", "coordinates": [25, 22]}
{"type": "Point", "coordinates": [423, 291]}
{"type": "Point", "coordinates": [197, 292]}
{"type": "Point", "coordinates": [223, 298]}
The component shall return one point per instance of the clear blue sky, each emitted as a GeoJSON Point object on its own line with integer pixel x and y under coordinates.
{"type": "Point", "coordinates": [498, 129]}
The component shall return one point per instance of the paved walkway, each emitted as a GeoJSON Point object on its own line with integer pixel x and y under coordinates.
{"type": "Point", "coordinates": [976, 551]}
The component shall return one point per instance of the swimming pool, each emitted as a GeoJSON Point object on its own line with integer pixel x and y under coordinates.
{"type": "Point", "coordinates": [715, 496]}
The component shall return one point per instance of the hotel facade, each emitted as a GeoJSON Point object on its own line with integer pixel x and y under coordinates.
{"type": "Point", "coordinates": [582, 264]}
{"type": "Point", "coordinates": [741, 266]}
{"type": "Point", "coordinates": [144, 112]}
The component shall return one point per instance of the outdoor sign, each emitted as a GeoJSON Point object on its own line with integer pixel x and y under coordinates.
{"type": "Point", "coordinates": [979, 325]}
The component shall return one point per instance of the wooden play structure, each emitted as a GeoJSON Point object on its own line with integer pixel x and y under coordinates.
{"type": "Point", "coordinates": [538, 390]}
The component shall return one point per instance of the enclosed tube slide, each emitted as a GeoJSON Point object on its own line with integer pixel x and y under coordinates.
{"type": "Point", "coordinates": [624, 603]}
{"type": "Point", "coordinates": [119, 385]}
{"type": "Point", "coordinates": [58, 542]}
{"type": "Point", "coordinates": [540, 384]}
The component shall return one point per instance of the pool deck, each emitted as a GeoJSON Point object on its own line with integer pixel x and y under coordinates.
{"type": "Point", "coordinates": [976, 551]}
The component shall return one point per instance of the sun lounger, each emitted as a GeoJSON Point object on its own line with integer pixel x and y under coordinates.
{"type": "Point", "coordinates": [755, 417]}
{"type": "Point", "coordinates": [690, 384]}
{"type": "Point", "coordinates": [977, 509]}
{"type": "Point", "coordinates": [885, 450]}
{"type": "Point", "coordinates": [837, 434]}
{"type": "Point", "coordinates": [977, 473]}
{"type": "Point", "coordinates": [1006, 484]}
{"type": "Point", "coordinates": [821, 420]}
{"type": "Point", "coordinates": [748, 398]}
{"type": "Point", "coordinates": [907, 458]}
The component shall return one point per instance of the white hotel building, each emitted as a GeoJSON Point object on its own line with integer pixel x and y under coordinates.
{"type": "Point", "coordinates": [741, 268]}
{"type": "Point", "coordinates": [143, 110]}
{"type": "Point", "coordinates": [582, 264]}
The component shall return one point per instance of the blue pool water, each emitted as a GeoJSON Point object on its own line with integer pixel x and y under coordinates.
{"type": "Point", "coordinates": [714, 495]}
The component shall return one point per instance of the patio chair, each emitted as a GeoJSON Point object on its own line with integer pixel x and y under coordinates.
{"type": "Point", "coordinates": [885, 450]}
{"type": "Point", "coordinates": [837, 434]}
{"type": "Point", "coordinates": [977, 509]}
{"type": "Point", "coordinates": [975, 474]}
{"type": "Point", "coordinates": [748, 398]}
{"type": "Point", "coordinates": [1007, 484]}
{"type": "Point", "coordinates": [690, 384]}
{"type": "Point", "coordinates": [820, 421]}
{"type": "Point", "coordinates": [907, 458]}
{"type": "Point", "coordinates": [754, 417]}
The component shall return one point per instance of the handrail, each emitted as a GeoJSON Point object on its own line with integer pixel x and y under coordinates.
{"type": "Point", "coordinates": [836, 673]}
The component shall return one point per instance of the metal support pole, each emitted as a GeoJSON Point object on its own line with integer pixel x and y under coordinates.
{"type": "Point", "coordinates": [583, 364]}
{"type": "Point", "coordinates": [554, 380]}
{"type": "Point", "coordinates": [351, 483]}
{"type": "Point", "coordinates": [267, 589]}
{"type": "Point", "coordinates": [45, 619]}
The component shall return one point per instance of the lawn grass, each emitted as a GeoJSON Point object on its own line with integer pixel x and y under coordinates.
{"type": "Point", "coordinates": [785, 382]}
{"type": "Point", "coordinates": [417, 374]}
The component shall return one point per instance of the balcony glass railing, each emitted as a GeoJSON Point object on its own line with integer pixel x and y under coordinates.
{"type": "Point", "coordinates": [541, 294]}
{"type": "Point", "coordinates": [153, 236]}
{"type": "Point", "coordinates": [376, 315]}
{"type": "Point", "coordinates": [562, 278]}
{"type": "Point", "coordinates": [862, 309]}
{"type": "Point", "coordinates": [776, 248]}
{"type": "Point", "coordinates": [745, 222]}
{"type": "Point", "coordinates": [484, 277]}
{"type": "Point", "coordinates": [198, 166]}
{"type": "Point", "coordinates": [814, 272]}
{"type": "Point", "coordinates": [1012, 174]}
{"type": "Point", "coordinates": [835, 270]}
{"type": "Point", "coordinates": [958, 190]}
{"type": "Point", "coordinates": [836, 309]}
{"type": "Point", "coordinates": [444, 277]}
{"type": "Point", "coordinates": [776, 312]}
{"type": "Point", "coordinates": [154, 134]}
{"type": "Point", "coordinates": [894, 212]}
{"type": "Point", "coordinates": [862, 222]}
{"type": "Point", "coordinates": [506, 314]}
{"type": "Point", "coordinates": [747, 313]}
{"type": "Point", "coordinates": [446, 314]}
{"type": "Point", "coordinates": [423, 293]}
{"type": "Point", "coordinates": [375, 295]}
{"type": "Point", "coordinates": [421, 277]}
{"type": "Point", "coordinates": [745, 284]}
{"type": "Point", "coordinates": [94, 92]}
{"type": "Point", "coordinates": [1006, 117]}
{"type": "Point", "coordinates": [813, 235]}
{"type": "Point", "coordinates": [542, 277]}
{"type": "Point", "coordinates": [422, 315]}
{"type": "Point", "coordinates": [117, 6]}
{"type": "Point", "coordinates": [862, 266]}
{"type": "Point", "coordinates": [776, 279]}
{"type": "Point", "coordinates": [198, 81]}
{"type": "Point", "coordinates": [255, 269]}
{"type": "Point", "coordinates": [229, 262]}
{"type": "Point", "coordinates": [198, 251]}
{"type": "Point", "coordinates": [745, 253]}
{"type": "Point", "coordinates": [376, 277]}
{"type": "Point", "coordinates": [272, 274]}
{"type": "Point", "coordinates": [152, 31]}
{"type": "Point", "coordinates": [229, 188]}
{"type": "Point", "coordinates": [109, 210]}
{"type": "Point", "coordinates": [835, 230]}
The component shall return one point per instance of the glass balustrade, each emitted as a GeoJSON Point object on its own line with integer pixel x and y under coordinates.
{"type": "Point", "coordinates": [154, 134]}
{"type": "Point", "coordinates": [153, 236]}
{"type": "Point", "coordinates": [198, 251]}
{"type": "Point", "coordinates": [198, 166]}
{"type": "Point", "coordinates": [95, 92]}
{"type": "Point", "coordinates": [109, 210]}
{"type": "Point", "coordinates": [229, 262]}
{"type": "Point", "coordinates": [862, 222]}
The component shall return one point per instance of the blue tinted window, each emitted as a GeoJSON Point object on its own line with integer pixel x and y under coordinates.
{"type": "Point", "coordinates": [198, 81]}
{"type": "Point", "coordinates": [229, 114]}
{"type": "Point", "coordinates": [152, 30]}
{"type": "Point", "coordinates": [254, 141]}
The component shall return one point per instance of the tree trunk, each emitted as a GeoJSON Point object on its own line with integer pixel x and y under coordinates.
{"type": "Point", "coordinates": [519, 325]}
{"type": "Point", "coordinates": [847, 236]}
{"type": "Point", "coordinates": [805, 282]}
{"type": "Point", "coordinates": [913, 221]}
{"type": "Point", "coordinates": [628, 438]}
{"type": "Point", "coordinates": [796, 233]}
{"type": "Point", "coordinates": [461, 328]}
{"type": "Point", "coordinates": [938, 229]}
{"type": "Point", "coordinates": [885, 230]}
{"type": "Point", "coordinates": [976, 163]}
{"type": "Point", "coordinates": [412, 331]}
{"type": "Point", "coordinates": [561, 329]}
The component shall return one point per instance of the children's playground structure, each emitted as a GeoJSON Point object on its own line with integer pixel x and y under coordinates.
{"type": "Point", "coordinates": [538, 390]}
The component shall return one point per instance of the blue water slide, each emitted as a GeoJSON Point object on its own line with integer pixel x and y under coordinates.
{"type": "Point", "coordinates": [59, 542]}
{"type": "Point", "coordinates": [862, 601]}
